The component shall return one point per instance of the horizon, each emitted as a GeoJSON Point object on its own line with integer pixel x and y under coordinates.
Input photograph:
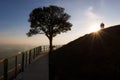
{"type": "Point", "coordinates": [85, 17]}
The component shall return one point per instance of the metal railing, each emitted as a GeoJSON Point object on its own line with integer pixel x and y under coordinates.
{"type": "Point", "coordinates": [10, 67]}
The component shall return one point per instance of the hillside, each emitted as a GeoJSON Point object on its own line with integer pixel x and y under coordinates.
{"type": "Point", "coordinates": [93, 56]}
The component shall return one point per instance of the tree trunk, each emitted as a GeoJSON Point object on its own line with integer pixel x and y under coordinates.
{"type": "Point", "coordinates": [50, 61]}
{"type": "Point", "coordinates": [50, 45]}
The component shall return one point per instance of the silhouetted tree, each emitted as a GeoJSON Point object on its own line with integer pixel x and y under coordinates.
{"type": "Point", "coordinates": [51, 20]}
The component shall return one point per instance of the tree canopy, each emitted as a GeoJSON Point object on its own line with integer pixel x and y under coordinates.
{"type": "Point", "coordinates": [48, 20]}
{"type": "Point", "coordinates": [51, 20]}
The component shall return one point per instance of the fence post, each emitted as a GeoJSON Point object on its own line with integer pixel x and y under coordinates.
{"type": "Point", "coordinates": [34, 53]}
{"type": "Point", "coordinates": [40, 50]}
{"type": "Point", "coordinates": [44, 48]}
{"type": "Point", "coordinates": [23, 59]}
{"type": "Point", "coordinates": [16, 66]}
{"type": "Point", "coordinates": [26, 60]}
{"type": "Point", "coordinates": [6, 69]}
{"type": "Point", "coordinates": [29, 56]}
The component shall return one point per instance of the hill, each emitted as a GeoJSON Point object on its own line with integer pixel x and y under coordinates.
{"type": "Point", "coordinates": [92, 56]}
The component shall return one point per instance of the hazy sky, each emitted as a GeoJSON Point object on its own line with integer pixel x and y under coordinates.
{"type": "Point", "coordinates": [85, 14]}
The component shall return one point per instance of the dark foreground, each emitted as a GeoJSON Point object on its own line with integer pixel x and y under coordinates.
{"type": "Point", "coordinates": [95, 56]}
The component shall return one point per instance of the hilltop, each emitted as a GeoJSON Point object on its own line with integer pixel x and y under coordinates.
{"type": "Point", "coordinates": [92, 56]}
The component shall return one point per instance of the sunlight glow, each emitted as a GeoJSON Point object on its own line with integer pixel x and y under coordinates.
{"type": "Point", "coordinates": [94, 28]}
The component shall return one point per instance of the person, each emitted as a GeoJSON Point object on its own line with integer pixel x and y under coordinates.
{"type": "Point", "coordinates": [102, 25]}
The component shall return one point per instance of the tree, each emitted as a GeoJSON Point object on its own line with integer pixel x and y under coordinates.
{"type": "Point", "coordinates": [51, 20]}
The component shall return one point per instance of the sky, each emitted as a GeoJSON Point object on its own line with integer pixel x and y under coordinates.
{"type": "Point", "coordinates": [86, 15]}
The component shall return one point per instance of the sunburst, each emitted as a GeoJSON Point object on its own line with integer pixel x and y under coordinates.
{"type": "Point", "coordinates": [94, 28]}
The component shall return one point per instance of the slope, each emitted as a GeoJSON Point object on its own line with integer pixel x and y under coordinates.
{"type": "Point", "coordinates": [93, 56]}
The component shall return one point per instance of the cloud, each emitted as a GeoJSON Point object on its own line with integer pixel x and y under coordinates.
{"type": "Point", "coordinates": [92, 16]}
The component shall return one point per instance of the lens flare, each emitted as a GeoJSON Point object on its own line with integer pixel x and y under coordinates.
{"type": "Point", "coordinates": [94, 28]}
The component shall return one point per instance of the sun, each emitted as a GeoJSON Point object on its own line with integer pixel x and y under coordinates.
{"type": "Point", "coordinates": [94, 28]}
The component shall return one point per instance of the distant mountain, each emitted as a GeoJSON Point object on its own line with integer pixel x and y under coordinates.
{"type": "Point", "coordinates": [95, 56]}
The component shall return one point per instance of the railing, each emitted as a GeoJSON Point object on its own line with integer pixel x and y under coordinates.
{"type": "Point", "coordinates": [10, 67]}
